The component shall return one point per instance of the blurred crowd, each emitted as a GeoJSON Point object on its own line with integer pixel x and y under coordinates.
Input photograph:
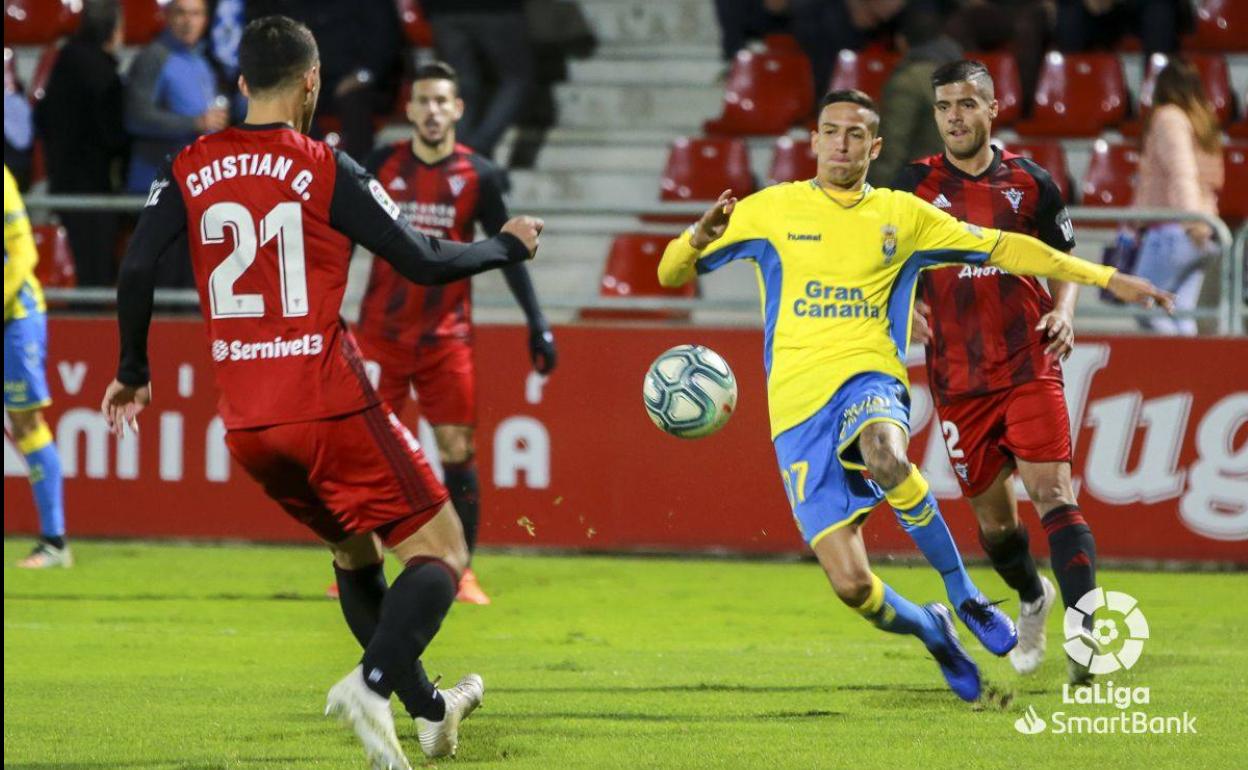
{"type": "Point", "coordinates": [105, 128]}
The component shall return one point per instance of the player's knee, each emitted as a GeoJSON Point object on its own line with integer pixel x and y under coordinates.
{"type": "Point", "coordinates": [456, 445]}
{"type": "Point", "coordinates": [25, 423]}
{"type": "Point", "coordinates": [888, 467]}
{"type": "Point", "coordinates": [1050, 490]}
{"type": "Point", "coordinates": [853, 587]}
{"type": "Point", "coordinates": [995, 529]}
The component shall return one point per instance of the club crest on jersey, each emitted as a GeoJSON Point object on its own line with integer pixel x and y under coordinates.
{"type": "Point", "coordinates": [457, 184]}
{"type": "Point", "coordinates": [889, 246]}
{"type": "Point", "coordinates": [1015, 197]}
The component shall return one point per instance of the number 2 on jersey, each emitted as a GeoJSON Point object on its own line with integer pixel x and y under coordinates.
{"type": "Point", "coordinates": [284, 223]}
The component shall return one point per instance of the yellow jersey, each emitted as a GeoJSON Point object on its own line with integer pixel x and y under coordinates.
{"type": "Point", "coordinates": [22, 293]}
{"type": "Point", "coordinates": [837, 276]}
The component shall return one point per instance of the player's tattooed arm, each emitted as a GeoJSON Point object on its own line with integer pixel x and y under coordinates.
{"type": "Point", "coordinates": [361, 210]}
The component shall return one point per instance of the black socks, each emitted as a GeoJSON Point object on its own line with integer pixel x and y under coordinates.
{"type": "Point", "coordinates": [461, 482]}
{"type": "Point", "coordinates": [1011, 558]}
{"type": "Point", "coordinates": [411, 614]}
{"type": "Point", "coordinates": [1073, 552]}
{"type": "Point", "coordinates": [360, 592]}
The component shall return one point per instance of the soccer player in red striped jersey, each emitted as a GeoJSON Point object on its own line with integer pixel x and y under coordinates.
{"type": "Point", "coordinates": [420, 337]}
{"type": "Point", "coordinates": [994, 345]}
{"type": "Point", "coordinates": [267, 217]}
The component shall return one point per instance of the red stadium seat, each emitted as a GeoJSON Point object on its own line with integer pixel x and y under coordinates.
{"type": "Point", "coordinates": [1078, 95]}
{"type": "Point", "coordinates": [143, 20]}
{"type": "Point", "coordinates": [43, 71]}
{"type": "Point", "coordinates": [1009, 90]}
{"type": "Point", "coordinates": [1111, 176]}
{"type": "Point", "coordinates": [36, 22]}
{"type": "Point", "coordinates": [631, 271]}
{"type": "Point", "coordinates": [1051, 157]}
{"type": "Point", "coordinates": [867, 71]}
{"type": "Point", "coordinates": [1221, 25]}
{"type": "Point", "coordinates": [792, 160]}
{"type": "Point", "coordinates": [416, 28]}
{"type": "Point", "coordinates": [1214, 73]}
{"type": "Point", "coordinates": [1233, 201]}
{"type": "Point", "coordinates": [56, 261]}
{"type": "Point", "coordinates": [767, 92]}
{"type": "Point", "coordinates": [700, 168]}
{"type": "Point", "coordinates": [778, 42]}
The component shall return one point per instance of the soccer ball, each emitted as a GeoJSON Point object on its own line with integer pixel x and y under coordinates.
{"type": "Point", "coordinates": [689, 391]}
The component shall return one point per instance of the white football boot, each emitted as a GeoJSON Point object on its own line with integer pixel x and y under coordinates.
{"type": "Point", "coordinates": [370, 717]}
{"type": "Point", "coordinates": [47, 556]}
{"type": "Point", "coordinates": [1027, 656]}
{"type": "Point", "coordinates": [441, 739]}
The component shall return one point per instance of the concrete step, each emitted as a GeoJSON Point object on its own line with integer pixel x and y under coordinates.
{"type": "Point", "coordinates": [628, 188]}
{"type": "Point", "coordinates": [646, 71]}
{"type": "Point", "coordinates": [626, 106]}
{"type": "Point", "coordinates": [674, 22]}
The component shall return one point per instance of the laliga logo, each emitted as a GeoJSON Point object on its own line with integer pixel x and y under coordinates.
{"type": "Point", "coordinates": [1105, 631]}
{"type": "Point", "coordinates": [220, 350]}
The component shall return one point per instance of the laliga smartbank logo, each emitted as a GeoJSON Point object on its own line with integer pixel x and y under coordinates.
{"type": "Point", "coordinates": [1105, 632]}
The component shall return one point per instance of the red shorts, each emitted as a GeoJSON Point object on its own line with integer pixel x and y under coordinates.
{"type": "Point", "coordinates": [359, 472]}
{"type": "Point", "coordinates": [984, 433]}
{"type": "Point", "coordinates": [442, 374]}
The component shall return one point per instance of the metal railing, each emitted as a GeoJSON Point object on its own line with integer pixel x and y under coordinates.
{"type": "Point", "coordinates": [1229, 313]}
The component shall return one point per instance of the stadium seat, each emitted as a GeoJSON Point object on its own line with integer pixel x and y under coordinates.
{"type": "Point", "coordinates": [1051, 157]}
{"type": "Point", "coordinates": [56, 261]}
{"type": "Point", "coordinates": [416, 28]}
{"type": "Point", "coordinates": [1221, 25]}
{"type": "Point", "coordinates": [1078, 95]}
{"type": "Point", "coordinates": [143, 19]}
{"type": "Point", "coordinates": [867, 71]}
{"type": "Point", "coordinates": [1214, 73]}
{"type": "Point", "coordinates": [37, 22]}
{"type": "Point", "coordinates": [791, 160]}
{"type": "Point", "coordinates": [1111, 176]}
{"type": "Point", "coordinates": [1233, 201]}
{"type": "Point", "coordinates": [632, 271]}
{"type": "Point", "coordinates": [1009, 90]}
{"type": "Point", "coordinates": [38, 85]}
{"type": "Point", "coordinates": [700, 168]}
{"type": "Point", "coordinates": [778, 42]}
{"type": "Point", "coordinates": [766, 93]}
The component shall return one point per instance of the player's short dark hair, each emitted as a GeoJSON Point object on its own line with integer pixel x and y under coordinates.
{"type": "Point", "coordinates": [437, 70]}
{"type": "Point", "coordinates": [852, 96]}
{"type": "Point", "coordinates": [274, 51]}
{"type": "Point", "coordinates": [98, 22]}
{"type": "Point", "coordinates": [969, 70]}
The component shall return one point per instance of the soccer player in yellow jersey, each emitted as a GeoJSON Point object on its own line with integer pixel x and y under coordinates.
{"type": "Point", "coordinates": [837, 262]}
{"type": "Point", "coordinates": [25, 382]}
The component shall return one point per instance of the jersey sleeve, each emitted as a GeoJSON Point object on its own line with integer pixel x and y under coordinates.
{"type": "Point", "coordinates": [940, 239]}
{"type": "Point", "coordinates": [20, 255]}
{"type": "Point", "coordinates": [361, 210]}
{"type": "Point", "coordinates": [159, 235]}
{"type": "Point", "coordinates": [910, 177]}
{"type": "Point", "coordinates": [1053, 225]}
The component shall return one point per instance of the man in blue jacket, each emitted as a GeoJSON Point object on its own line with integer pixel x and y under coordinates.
{"type": "Point", "coordinates": [171, 93]}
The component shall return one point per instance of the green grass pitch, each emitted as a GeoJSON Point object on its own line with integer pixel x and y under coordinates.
{"type": "Point", "coordinates": [166, 656]}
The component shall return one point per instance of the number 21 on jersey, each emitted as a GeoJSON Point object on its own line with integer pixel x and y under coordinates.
{"type": "Point", "coordinates": [284, 223]}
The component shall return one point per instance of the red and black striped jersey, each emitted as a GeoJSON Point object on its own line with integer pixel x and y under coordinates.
{"type": "Point", "coordinates": [983, 319]}
{"type": "Point", "coordinates": [443, 200]}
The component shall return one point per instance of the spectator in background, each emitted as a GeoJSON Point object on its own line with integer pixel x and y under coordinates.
{"type": "Point", "coordinates": [741, 21]}
{"type": "Point", "coordinates": [906, 114]}
{"type": "Point", "coordinates": [1180, 168]}
{"type": "Point", "coordinates": [824, 27]}
{"type": "Point", "coordinates": [171, 93]}
{"type": "Point", "coordinates": [1085, 25]}
{"type": "Point", "coordinates": [485, 40]}
{"type": "Point", "coordinates": [359, 42]}
{"type": "Point", "coordinates": [19, 129]}
{"type": "Point", "coordinates": [1021, 27]}
{"type": "Point", "coordinates": [80, 122]}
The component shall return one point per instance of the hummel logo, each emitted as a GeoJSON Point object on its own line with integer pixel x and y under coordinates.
{"type": "Point", "coordinates": [457, 184]}
{"type": "Point", "coordinates": [397, 184]}
{"type": "Point", "coordinates": [805, 236]}
{"type": "Point", "coordinates": [942, 202]}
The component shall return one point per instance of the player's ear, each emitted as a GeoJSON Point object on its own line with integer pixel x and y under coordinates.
{"type": "Point", "coordinates": [876, 145]}
{"type": "Point", "coordinates": [459, 108]}
{"type": "Point", "coordinates": [993, 109]}
{"type": "Point", "coordinates": [242, 87]}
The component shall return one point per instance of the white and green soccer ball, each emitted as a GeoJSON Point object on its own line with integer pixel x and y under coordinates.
{"type": "Point", "coordinates": [690, 391]}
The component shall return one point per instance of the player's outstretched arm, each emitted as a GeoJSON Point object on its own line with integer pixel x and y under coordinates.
{"type": "Point", "coordinates": [361, 210]}
{"type": "Point", "coordinates": [1024, 255]}
{"type": "Point", "coordinates": [682, 252]}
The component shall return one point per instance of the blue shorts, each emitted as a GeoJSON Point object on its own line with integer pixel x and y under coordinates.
{"type": "Point", "coordinates": [25, 358]}
{"type": "Point", "coordinates": [820, 461]}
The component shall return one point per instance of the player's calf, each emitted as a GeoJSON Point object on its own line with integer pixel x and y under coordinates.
{"type": "Point", "coordinates": [1072, 548]}
{"type": "Point", "coordinates": [34, 440]}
